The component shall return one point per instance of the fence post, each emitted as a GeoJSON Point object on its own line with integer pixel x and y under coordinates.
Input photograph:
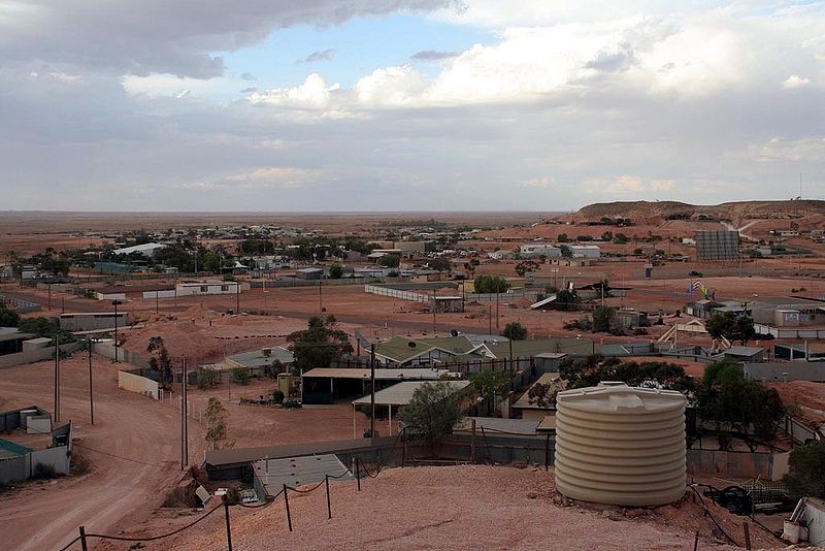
{"type": "Point", "coordinates": [547, 452]}
{"type": "Point", "coordinates": [747, 536]}
{"type": "Point", "coordinates": [358, 472]}
{"type": "Point", "coordinates": [696, 541]}
{"type": "Point", "coordinates": [473, 441]}
{"type": "Point", "coordinates": [329, 503]}
{"type": "Point", "coordinates": [83, 539]}
{"type": "Point", "coordinates": [288, 515]}
{"type": "Point", "coordinates": [228, 528]}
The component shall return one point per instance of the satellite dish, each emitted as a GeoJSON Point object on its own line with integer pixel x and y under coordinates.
{"type": "Point", "coordinates": [454, 332]}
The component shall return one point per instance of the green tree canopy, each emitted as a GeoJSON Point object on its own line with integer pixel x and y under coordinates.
{"type": "Point", "coordinates": [514, 331]}
{"type": "Point", "coordinates": [336, 271]}
{"type": "Point", "coordinates": [433, 411]}
{"type": "Point", "coordinates": [390, 261]}
{"type": "Point", "coordinates": [489, 384]}
{"type": "Point", "coordinates": [319, 344]}
{"type": "Point", "coordinates": [737, 405]}
{"type": "Point", "coordinates": [8, 318]}
{"type": "Point", "coordinates": [806, 470]}
{"type": "Point", "coordinates": [490, 284]}
{"type": "Point", "coordinates": [602, 319]}
{"type": "Point", "coordinates": [731, 325]}
{"type": "Point", "coordinates": [160, 361]}
{"type": "Point", "coordinates": [526, 266]}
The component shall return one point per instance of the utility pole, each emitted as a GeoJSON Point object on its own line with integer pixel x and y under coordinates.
{"type": "Point", "coordinates": [91, 393]}
{"type": "Point", "coordinates": [184, 433]}
{"type": "Point", "coordinates": [372, 390]}
{"type": "Point", "coordinates": [238, 298]}
{"type": "Point", "coordinates": [57, 378]}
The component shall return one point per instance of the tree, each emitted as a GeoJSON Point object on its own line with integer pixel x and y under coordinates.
{"type": "Point", "coordinates": [319, 344]}
{"type": "Point", "coordinates": [544, 395]}
{"type": "Point", "coordinates": [440, 264]}
{"type": "Point", "coordinates": [806, 470]}
{"type": "Point", "coordinates": [207, 378]}
{"type": "Point", "coordinates": [487, 284]}
{"type": "Point", "coordinates": [433, 411]}
{"type": "Point", "coordinates": [45, 327]}
{"type": "Point", "coordinates": [491, 384]}
{"type": "Point", "coordinates": [160, 361]}
{"type": "Point", "coordinates": [526, 266]}
{"type": "Point", "coordinates": [731, 325]}
{"type": "Point", "coordinates": [566, 251]}
{"type": "Point", "coordinates": [336, 271]}
{"type": "Point", "coordinates": [566, 301]}
{"type": "Point", "coordinates": [602, 317]}
{"type": "Point", "coordinates": [390, 261]}
{"type": "Point", "coordinates": [514, 331]}
{"type": "Point", "coordinates": [562, 238]}
{"type": "Point", "coordinates": [8, 318]}
{"type": "Point", "coordinates": [737, 405]}
{"type": "Point", "coordinates": [240, 375]}
{"type": "Point", "coordinates": [216, 432]}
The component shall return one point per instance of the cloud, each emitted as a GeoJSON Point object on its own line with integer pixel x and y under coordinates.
{"type": "Point", "coordinates": [248, 76]}
{"type": "Point", "coordinates": [141, 37]}
{"type": "Point", "coordinates": [795, 81]}
{"type": "Point", "coordinates": [432, 55]}
{"type": "Point", "coordinates": [391, 86]}
{"type": "Point", "coordinates": [324, 55]}
{"type": "Point", "coordinates": [312, 94]}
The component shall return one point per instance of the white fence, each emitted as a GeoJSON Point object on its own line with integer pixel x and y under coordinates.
{"type": "Point", "coordinates": [136, 383]}
{"type": "Point", "coordinates": [395, 293]}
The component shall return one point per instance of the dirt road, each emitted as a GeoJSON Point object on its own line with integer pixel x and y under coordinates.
{"type": "Point", "coordinates": [133, 450]}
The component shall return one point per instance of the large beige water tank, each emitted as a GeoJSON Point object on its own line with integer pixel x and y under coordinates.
{"type": "Point", "coordinates": [621, 445]}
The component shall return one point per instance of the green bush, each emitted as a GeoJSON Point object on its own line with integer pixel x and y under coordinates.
{"type": "Point", "coordinates": [278, 396]}
{"type": "Point", "coordinates": [239, 375]}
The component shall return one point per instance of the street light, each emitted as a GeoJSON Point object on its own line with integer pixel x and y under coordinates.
{"type": "Point", "coordinates": [115, 303]}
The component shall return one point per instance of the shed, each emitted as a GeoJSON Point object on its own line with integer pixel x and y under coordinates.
{"type": "Point", "coordinates": [397, 396]}
{"type": "Point", "coordinates": [271, 475]}
{"type": "Point", "coordinates": [323, 385]}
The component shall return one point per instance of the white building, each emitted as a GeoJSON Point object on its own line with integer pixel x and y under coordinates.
{"type": "Point", "coordinates": [585, 251]}
{"type": "Point", "coordinates": [215, 287]}
{"type": "Point", "coordinates": [540, 249]}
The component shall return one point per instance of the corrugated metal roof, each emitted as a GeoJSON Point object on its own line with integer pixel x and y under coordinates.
{"type": "Point", "coordinates": [497, 425]}
{"type": "Point", "coordinates": [380, 374]}
{"type": "Point", "coordinates": [298, 471]}
{"type": "Point", "coordinates": [256, 358]}
{"type": "Point", "coordinates": [524, 400]}
{"type": "Point", "coordinates": [402, 393]}
{"type": "Point", "coordinates": [531, 347]}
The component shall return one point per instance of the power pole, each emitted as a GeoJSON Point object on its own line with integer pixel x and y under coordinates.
{"type": "Point", "coordinates": [184, 433]}
{"type": "Point", "coordinates": [372, 390]}
{"type": "Point", "coordinates": [57, 378]}
{"type": "Point", "coordinates": [91, 393]}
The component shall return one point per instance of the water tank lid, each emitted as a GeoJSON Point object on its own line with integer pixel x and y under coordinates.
{"type": "Point", "coordinates": [621, 398]}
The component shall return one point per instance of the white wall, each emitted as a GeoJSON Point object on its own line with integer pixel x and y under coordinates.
{"type": "Point", "coordinates": [136, 383]}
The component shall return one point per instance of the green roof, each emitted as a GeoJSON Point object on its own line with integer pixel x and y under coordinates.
{"type": "Point", "coordinates": [533, 347]}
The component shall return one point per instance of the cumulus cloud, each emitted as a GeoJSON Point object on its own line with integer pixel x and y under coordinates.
{"type": "Point", "coordinates": [391, 86]}
{"type": "Point", "coordinates": [312, 94]}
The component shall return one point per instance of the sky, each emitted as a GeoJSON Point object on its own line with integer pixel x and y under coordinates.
{"type": "Point", "coordinates": [407, 105]}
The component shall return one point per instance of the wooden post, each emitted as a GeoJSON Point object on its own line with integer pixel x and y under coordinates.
{"type": "Point", "coordinates": [696, 541]}
{"type": "Point", "coordinates": [358, 472]}
{"type": "Point", "coordinates": [472, 441]}
{"type": "Point", "coordinates": [288, 515]}
{"type": "Point", "coordinates": [747, 536]}
{"type": "Point", "coordinates": [547, 452]}
{"type": "Point", "coordinates": [83, 544]}
{"type": "Point", "coordinates": [228, 528]}
{"type": "Point", "coordinates": [329, 503]}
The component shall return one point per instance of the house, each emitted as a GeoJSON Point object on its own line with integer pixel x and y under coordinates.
{"type": "Point", "coordinates": [12, 340]}
{"type": "Point", "coordinates": [751, 354]}
{"type": "Point", "coordinates": [90, 321]}
{"type": "Point", "coordinates": [324, 385]}
{"type": "Point", "coordinates": [535, 250]}
{"type": "Point", "coordinates": [146, 249]}
{"type": "Point", "coordinates": [210, 287]}
{"type": "Point", "coordinates": [314, 274]}
{"type": "Point", "coordinates": [395, 397]}
{"type": "Point", "coordinates": [524, 408]}
{"type": "Point", "coordinates": [585, 251]}
{"type": "Point", "coordinates": [258, 361]}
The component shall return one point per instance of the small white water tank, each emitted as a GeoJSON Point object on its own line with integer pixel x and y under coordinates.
{"type": "Point", "coordinates": [621, 445]}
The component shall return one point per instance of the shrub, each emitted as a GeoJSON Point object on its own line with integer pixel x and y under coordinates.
{"type": "Point", "coordinates": [240, 375]}
{"type": "Point", "coordinates": [43, 471]}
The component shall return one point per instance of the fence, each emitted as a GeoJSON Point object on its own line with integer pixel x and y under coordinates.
{"type": "Point", "coordinates": [40, 354]}
{"type": "Point", "coordinates": [396, 293]}
{"type": "Point", "coordinates": [136, 383]}
{"type": "Point", "coordinates": [24, 466]}
{"type": "Point", "coordinates": [362, 472]}
{"type": "Point", "coordinates": [19, 305]}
